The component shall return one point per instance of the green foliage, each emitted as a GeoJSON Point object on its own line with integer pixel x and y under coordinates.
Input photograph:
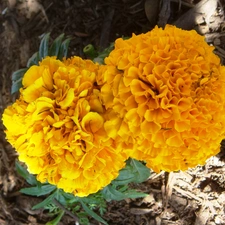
{"type": "Point", "coordinates": [82, 207]}
{"type": "Point", "coordinates": [44, 46]}
{"type": "Point", "coordinates": [94, 55]}
{"type": "Point", "coordinates": [63, 50]}
{"type": "Point", "coordinates": [57, 219]}
{"type": "Point", "coordinates": [33, 60]}
{"type": "Point", "coordinates": [94, 201]}
{"type": "Point", "coordinates": [102, 55]}
{"type": "Point", "coordinates": [92, 213]}
{"type": "Point", "coordinates": [47, 202]}
{"type": "Point", "coordinates": [55, 47]}
{"type": "Point", "coordinates": [17, 80]}
{"type": "Point", "coordinates": [31, 179]}
{"type": "Point", "coordinates": [85, 207]}
{"type": "Point", "coordinates": [58, 48]}
{"type": "Point", "coordinates": [39, 190]}
{"type": "Point", "coordinates": [134, 171]}
{"type": "Point", "coordinates": [112, 192]}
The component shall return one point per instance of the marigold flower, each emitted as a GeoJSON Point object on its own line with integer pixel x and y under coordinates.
{"type": "Point", "coordinates": [57, 127]}
{"type": "Point", "coordinates": [164, 92]}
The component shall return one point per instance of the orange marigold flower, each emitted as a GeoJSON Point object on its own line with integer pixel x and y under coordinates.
{"type": "Point", "coordinates": [164, 92]}
{"type": "Point", "coordinates": [57, 127]}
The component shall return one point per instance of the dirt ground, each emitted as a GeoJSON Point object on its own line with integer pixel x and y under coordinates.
{"type": "Point", "coordinates": [193, 197]}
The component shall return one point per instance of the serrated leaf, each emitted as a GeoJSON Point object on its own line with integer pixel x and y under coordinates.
{"type": "Point", "coordinates": [83, 220]}
{"type": "Point", "coordinates": [38, 191]}
{"type": "Point", "coordinates": [134, 171]}
{"type": "Point", "coordinates": [33, 60]}
{"type": "Point", "coordinates": [126, 176]}
{"type": "Point", "coordinates": [19, 74]}
{"type": "Point", "coordinates": [16, 85]}
{"type": "Point", "coordinates": [64, 49]}
{"type": "Point", "coordinates": [43, 48]}
{"type": "Point", "coordinates": [25, 174]}
{"type": "Point", "coordinates": [111, 193]}
{"type": "Point", "coordinates": [57, 219]}
{"type": "Point", "coordinates": [46, 202]}
{"type": "Point", "coordinates": [92, 213]}
{"type": "Point", "coordinates": [142, 172]}
{"type": "Point", "coordinates": [55, 47]}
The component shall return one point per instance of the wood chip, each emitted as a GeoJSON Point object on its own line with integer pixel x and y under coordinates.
{"type": "Point", "coordinates": [188, 194]}
{"type": "Point", "coordinates": [204, 8]}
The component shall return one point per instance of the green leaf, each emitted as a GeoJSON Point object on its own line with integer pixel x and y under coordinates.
{"type": "Point", "coordinates": [46, 202]}
{"type": "Point", "coordinates": [43, 48]}
{"type": "Point", "coordinates": [92, 213]}
{"type": "Point", "coordinates": [25, 174]}
{"type": "Point", "coordinates": [33, 60]}
{"type": "Point", "coordinates": [102, 55]}
{"type": "Point", "coordinates": [62, 197]}
{"type": "Point", "coordinates": [83, 220]}
{"type": "Point", "coordinates": [70, 198]}
{"type": "Point", "coordinates": [19, 74]}
{"type": "Point", "coordinates": [110, 193]}
{"type": "Point", "coordinates": [55, 47]}
{"type": "Point", "coordinates": [57, 219]}
{"type": "Point", "coordinates": [141, 171]}
{"type": "Point", "coordinates": [126, 176]}
{"type": "Point", "coordinates": [135, 194]}
{"type": "Point", "coordinates": [64, 49]}
{"type": "Point", "coordinates": [17, 77]}
{"type": "Point", "coordinates": [94, 201]}
{"type": "Point", "coordinates": [38, 191]}
{"type": "Point", "coordinates": [16, 85]}
{"type": "Point", "coordinates": [134, 171]}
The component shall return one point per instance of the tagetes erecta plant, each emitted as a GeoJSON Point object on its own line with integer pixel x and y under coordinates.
{"type": "Point", "coordinates": [164, 92]}
{"type": "Point", "coordinates": [159, 98]}
{"type": "Point", "coordinates": [57, 127]}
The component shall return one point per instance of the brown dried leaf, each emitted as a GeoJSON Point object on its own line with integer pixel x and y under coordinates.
{"type": "Point", "coordinates": [152, 10]}
{"type": "Point", "coordinates": [194, 15]}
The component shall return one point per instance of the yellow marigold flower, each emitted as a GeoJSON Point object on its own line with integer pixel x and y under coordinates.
{"type": "Point", "coordinates": [57, 127]}
{"type": "Point", "coordinates": [164, 92]}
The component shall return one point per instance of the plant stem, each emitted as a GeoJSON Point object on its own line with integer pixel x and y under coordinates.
{"type": "Point", "coordinates": [57, 203]}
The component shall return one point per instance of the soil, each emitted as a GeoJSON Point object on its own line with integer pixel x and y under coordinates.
{"type": "Point", "coordinates": [192, 197]}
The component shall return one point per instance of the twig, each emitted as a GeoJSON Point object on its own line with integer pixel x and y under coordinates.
{"type": "Point", "coordinates": [104, 39]}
